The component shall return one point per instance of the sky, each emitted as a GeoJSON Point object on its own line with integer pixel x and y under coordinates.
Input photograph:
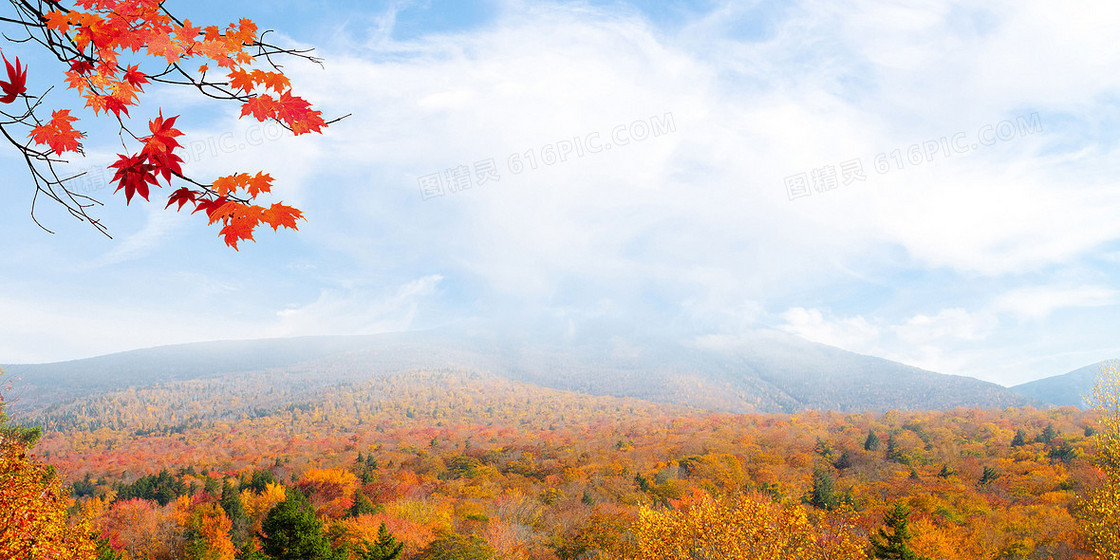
{"type": "Point", "coordinates": [930, 182]}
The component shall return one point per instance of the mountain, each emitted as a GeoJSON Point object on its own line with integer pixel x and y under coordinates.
{"type": "Point", "coordinates": [1068, 389]}
{"type": "Point", "coordinates": [766, 371]}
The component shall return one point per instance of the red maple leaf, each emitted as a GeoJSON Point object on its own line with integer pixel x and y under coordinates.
{"type": "Point", "coordinates": [135, 77]}
{"type": "Point", "coordinates": [296, 112]}
{"type": "Point", "coordinates": [182, 196]}
{"type": "Point", "coordinates": [210, 205]}
{"type": "Point", "coordinates": [115, 105]}
{"type": "Point", "coordinates": [163, 135]}
{"type": "Point", "coordinates": [166, 164]}
{"type": "Point", "coordinates": [82, 67]}
{"type": "Point", "coordinates": [17, 81]}
{"type": "Point", "coordinates": [134, 174]}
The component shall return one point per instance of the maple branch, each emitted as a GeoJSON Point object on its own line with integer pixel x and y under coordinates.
{"type": "Point", "coordinates": [92, 45]}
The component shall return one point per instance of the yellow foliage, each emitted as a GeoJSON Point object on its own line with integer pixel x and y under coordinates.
{"type": "Point", "coordinates": [751, 527]}
{"type": "Point", "coordinates": [422, 512]}
{"type": "Point", "coordinates": [257, 504]}
{"type": "Point", "coordinates": [354, 530]}
{"type": "Point", "coordinates": [1101, 509]}
{"type": "Point", "coordinates": [33, 504]}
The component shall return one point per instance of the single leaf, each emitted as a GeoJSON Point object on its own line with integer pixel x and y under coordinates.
{"type": "Point", "coordinates": [262, 107]}
{"type": "Point", "coordinates": [135, 77]}
{"type": "Point", "coordinates": [17, 81]}
{"type": "Point", "coordinates": [182, 196]}
{"type": "Point", "coordinates": [279, 215]}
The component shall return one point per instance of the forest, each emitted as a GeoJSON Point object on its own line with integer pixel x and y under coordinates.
{"type": "Point", "coordinates": [455, 464]}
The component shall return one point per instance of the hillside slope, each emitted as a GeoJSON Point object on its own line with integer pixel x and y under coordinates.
{"type": "Point", "coordinates": [767, 371]}
{"type": "Point", "coordinates": [1067, 389]}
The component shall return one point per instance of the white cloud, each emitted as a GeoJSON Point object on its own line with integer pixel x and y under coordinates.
{"type": "Point", "coordinates": [1038, 302]}
{"type": "Point", "coordinates": [943, 342]}
{"type": "Point", "coordinates": [953, 323]}
{"type": "Point", "coordinates": [850, 333]}
{"type": "Point", "coordinates": [357, 310]}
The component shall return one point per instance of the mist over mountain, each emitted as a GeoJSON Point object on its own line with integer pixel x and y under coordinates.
{"type": "Point", "coordinates": [1067, 389]}
{"type": "Point", "coordinates": [765, 371]}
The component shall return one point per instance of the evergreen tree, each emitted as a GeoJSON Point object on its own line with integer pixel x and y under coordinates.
{"type": "Point", "coordinates": [362, 505]}
{"type": "Point", "coordinates": [261, 479]}
{"type": "Point", "coordinates": [823, 448]}
{"type": "Point", "coordinates": [990, 475]}
{"type": "Point", "coordinates": [1048, 434]}
{"type": "Point", "coordinates": [892, 541]}
{"type": "Point", "coordinates": [872, 442]}
{"type": "Point", "coordinates": [844, 462]}
{"type": "Point", "coordinates": [235, 511]}
{"type": "Point", "coordinates": [162, 487]}
{"type": "Point", "coordinates": [292, 532]}
{"type": "Point", "coordinates": [894, 454]}
{"type": "Point", "coordinates": [385, 548]}
{"type": "Point", "coordinates": [823, 494]}
{"type": "Point", "coordinates": [1020, 438]}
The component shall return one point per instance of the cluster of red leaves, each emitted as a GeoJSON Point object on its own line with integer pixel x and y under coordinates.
{"type": "Point", "coordinates": [103, 32]}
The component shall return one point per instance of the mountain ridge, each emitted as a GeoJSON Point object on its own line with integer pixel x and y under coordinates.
{"type": "Point", "coordinates": [1067, 389]}
{"type": "Point", "coordinates": [763, 371]}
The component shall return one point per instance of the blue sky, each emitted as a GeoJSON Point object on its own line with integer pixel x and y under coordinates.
{"type": "Point", "coordinates": [931, 182]}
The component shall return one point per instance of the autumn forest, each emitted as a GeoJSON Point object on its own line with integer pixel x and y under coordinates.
{"type": "Point", "coordinates": [454, 464]}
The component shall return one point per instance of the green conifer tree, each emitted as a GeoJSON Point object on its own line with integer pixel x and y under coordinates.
{"type": "Point", "coordinates": [292, 532]}
{"type": "Point", "coordinates": [823, 494]}
{"type": "Point", "coordinates": [235, 511]}
{"type": "Point", "coordinates": [892, 541]}
{"type": "Point", "coordinates": [385, 548]}
{"type": "Point", "coordinates": [872, 442]}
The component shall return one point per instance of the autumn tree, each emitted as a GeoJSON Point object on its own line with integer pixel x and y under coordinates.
{"type": "Point", "coordinates": [751, 526]}
{"type": "Point", "coordinates": [108, 52]}
{"type": "Point", "coordinates": [34, 522]}
{"type": "Point", "coordinates": [1100, 508]}
{"type": "Point", "coordinates": [207, 532]}
{"type": "Point", "coordinates": [453, 546]}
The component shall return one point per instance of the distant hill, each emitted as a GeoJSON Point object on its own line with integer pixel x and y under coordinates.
{"type": "Point", "coordinates": [768, 371]}
{"type": "Point", "coordinates": [1068, 389]}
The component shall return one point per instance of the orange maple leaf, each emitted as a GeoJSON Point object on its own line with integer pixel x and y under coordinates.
{"type": "Point", "coordinates": [279, 215]}
{"type": "Point", "coordinates": [262, 107]}
{"type": "Point", "coordinates": [59, 133]}
{"type": "Point", "coordinates": [57, 21]}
